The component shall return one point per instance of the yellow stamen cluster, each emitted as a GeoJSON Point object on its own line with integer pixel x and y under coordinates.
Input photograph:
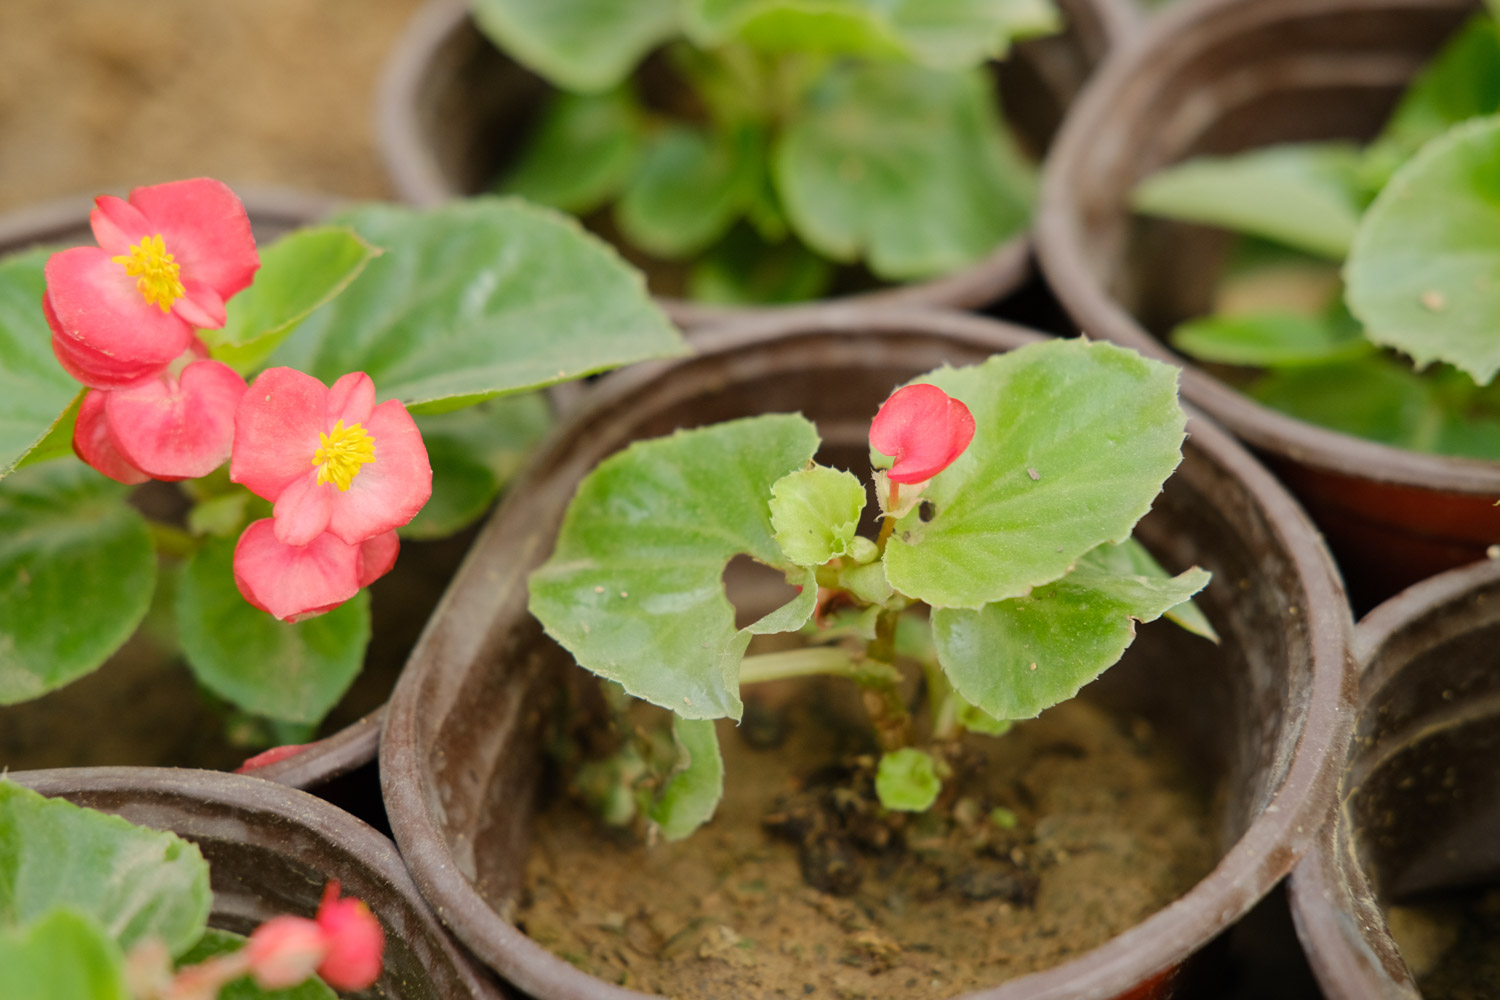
{"type": "Point", "coordinates": [154, 270]}
{"type": "Point", "coordinates": [342, 453]}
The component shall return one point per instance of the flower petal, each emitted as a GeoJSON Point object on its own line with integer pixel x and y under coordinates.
{"type": "Point", "coordinates": [91, 442]}
{"type": "Point", "coordinates": [389, 491]}
{"type": "Point", "coordinates": [302, 510]}
{"type": "Point", "coordinates": [355, 941]}
{"type": "Point", "coordinates": [178, 428]}
{"type": "Point", "coordinates": [276, 430]}
{"type": "Point", "coordinates": [377, 554]}
{"type": "Point", "coordinates": [204, 226]}
{"type": "Point", "coordinates": [94, 301]}
{"type": "Point", "coordinates": [95, 370]}
{"type": "Point", "coordinates": [294, 582]}
{"type": "Point", "coordinates": [201, 306]}
{"type": "Point", "coordinates": [350, 399]}
{"type": "Point", "coordinates": [117, 224]}
{"type": "Point", "coordinates": [923, 429]}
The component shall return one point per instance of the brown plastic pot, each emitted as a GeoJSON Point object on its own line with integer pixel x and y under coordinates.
{"type": "Point", "coordinates": [1217, 77]}
{"type": "Point", "coordinates": [1265, 714]}
{"type": "Point", "coordinates": [1419, 807]}
{"type": "Point", "coordinates": [270, 850]}
{"type": "Point", "coordinates": [453, 109]}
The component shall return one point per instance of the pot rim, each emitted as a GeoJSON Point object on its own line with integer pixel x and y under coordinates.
{"type": "Point", "coordinates": [1263, 854]}
{"type": "Point", "coordinates": [1060, 252]}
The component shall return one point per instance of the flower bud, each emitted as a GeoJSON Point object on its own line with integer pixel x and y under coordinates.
{"type": "Point", "coordinates": [285, 951]}
{"type": "Point", "coordinates": [355, 941]}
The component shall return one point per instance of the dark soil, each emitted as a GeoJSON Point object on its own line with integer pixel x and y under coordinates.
{"type": "Point", "coordinates": [1452, 944]}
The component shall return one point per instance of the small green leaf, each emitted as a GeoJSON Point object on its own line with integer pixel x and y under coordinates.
{"type": "Point", "coordinates": [907, 780]}
{"type": "Point", "coordinates": [35, 392]}
{"type": "Point", "coordinates": [136, 882]}
{"type": "Point", "coordinates": [298, 273]}
{"type": "Point", "coordinates": [217, 942]}
{"type": "Point", "coordinates": [815, 513]}
{"type": "Point", "coordinates": [1073, 441]}
{"type": "Point", "coordinates": [478, 298]}
{"type": "Point", "coordinates": [76, 575]}
{"type": "Point", "coordinates": [1270, 340]}
{"type": "Point", "coordinates": [293, 672]}
{"type": "Point", "coordinates": [1131, 558]}
{"type": "Point", "coordinates": [1307, 195]}
{"type": "Point", "coordinates": [1424, 272]}
{"type": "Point", "coordinates": [64, 955]}
{"type": "Point", "coordinates": [975, 719]}
{"type": "Point", "coordinates": [582, 152]}
{"type": "Point", "coordinates": [693, 791]}
{"type": "Point", "coordinates": [692, 185]}
{"type": "Point", "coordinates": [581, 45]}
{"type": "Point", "coordinates": [221, 516]}
{"type": "Point", "coordinates": [1015, 658]}
{"type": "Point", "coordinates": [868, 583]}
{"type": "Point", "coordinates": [742, 269]}
{"type": "Point", "coordinates": [634, 587]}
{"type": "Point", "coordinates": [909, 168]}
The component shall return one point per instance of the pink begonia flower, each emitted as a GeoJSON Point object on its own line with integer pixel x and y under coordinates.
{"type": "Point", "coordinates": [285, 951]}
{"type": "Point", "coordinates": [923, 429]}
{"type": "Point", "coordinates": [92, 443]}
{"type": "Point", "coordinates": [297, 582]}
{"type": "Point", "coordinates": [329, 459]}
{"type": "Point", "coordinates": [275, 755]}
{"type": "Point", "coordinates": [355, 941]}
{"type": "Point", "coordinates": [167, 261]}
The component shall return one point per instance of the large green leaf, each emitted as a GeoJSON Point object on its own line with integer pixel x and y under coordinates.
{"type": "Point", "coordinates": [63, 955]}
{"type": "Point", "coordinates": [693, 791]}
{"type": "Point", "coordinates": [1014, 658]}
{"type": "Point", "coordinates": [1307, 195]}
{"type": "Point", "coordinates": [292, 672]}
{"type": "Point", "coordinates": [136, 882]}
{"type": "Point", "coordinates": [582, 152]}
{"type": "Point", "coordinates": [34, 389]}
{"type": "Point", "coordinates": [692, 185]}
{"type": "Point", "coordinates": [1271, 339]}
{"type": "Point", "coordinates": [907, 167]}
{"type": "Point", "coordinates": [1073, 441]}
{"type": "Point", "coordinates": [1424, 271]}
{"type": "Point", "coordinates": [76, 575]}
{"type": "Point", "coordinates": [583, 45]}
{"type": "Point", "coordinates": [743, 269]}
{"type": "Point", "coordinates": [217, 942]}
{"type": "Point", "coordinates": [478, 298]}
{"type": "Point", "coordinates": [634, 588]}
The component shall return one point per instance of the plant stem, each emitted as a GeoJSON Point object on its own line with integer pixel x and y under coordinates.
{"type": "Point", "coordinates": [171, 540]}
{"type": "Point", "coordinates": [797, 663]}
{"type": "Point", "coordinates": [888, 525]}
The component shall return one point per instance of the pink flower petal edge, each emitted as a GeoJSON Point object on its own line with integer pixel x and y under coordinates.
{"type": "Point", "coordinates": [92, 443]}
{"type": "Point", "coordinates": [177, 427]}
{"type": "Point", "coordinates": [294, 582]}
{"type": "Point", "coordinates": [923, 429]}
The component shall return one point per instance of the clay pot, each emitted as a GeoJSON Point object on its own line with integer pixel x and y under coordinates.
{"type": "Point", "coordinates": [1419, 807]}
{"type": "Point", "coordinates": [1265, 714]}
{"type": "Point", "coordinates": [270, 851]}
{"type": "Point", "coordinates": [453, 110]}
{"type": "Point", "coordinates": [1217, 77]}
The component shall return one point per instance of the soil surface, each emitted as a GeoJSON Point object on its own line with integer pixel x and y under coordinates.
{"type": "Point", "coordinates": [1107, 830]}
{"type": "Point", "coordinates": [1452, 944]}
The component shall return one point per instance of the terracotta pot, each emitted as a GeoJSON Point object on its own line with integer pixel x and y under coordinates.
{"type": "Point", "coordinates": [1419, 808]}
{"type": "Point", "coordinates": [1217, 77]}
{"type": "Point", "coordinates": [453, 109]}
{"type": "Point", "coordinates": [270, 851]}
{"type": "Point", "coordinates": [1265, 714]}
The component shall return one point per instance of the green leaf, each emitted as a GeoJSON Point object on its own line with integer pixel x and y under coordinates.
{"type": "Point", "coordinates": [1014, 658]}
{"type": "Point", "coordinates": [975, 719]}
{"type": "Point", "coordinates": [298, 273]}
{"type": "Point", "coordinates": [292, 672]}
{"type": "Point", "coordinates": [217, 942]}
{"type": "Point", "coordinates": [76, 575]}
{"type": "Point", "coordinates": [582, 152]}
{"type": "Point", "coordinates": [634, 588]}
{"type": "Point", "coordinates": [35, 392]}
{"type": "Point", "coordinates": [62, 956]}
{"type": "Point", "coordinates": [693, 791]}
{"type": "Point", "coordinates": [907, 780]}
{"type": "Point", "coordinates": [815, 513]}
{"type": "Point", "coordinates": [136, 882]}
{"type": "Point", "coordinates": [907, 167]}
{"type": "Point", "coordinates": [1270, 340]}
{"type": "Point", "coordinates": [1424, 272]}
{"type": "Point", "coordinates": [1306, 195]}
{"type": "Point", "coordinates": [1073, 441]}
{"type": "Point", "coordinates": [743, 269]}
{"type": "Point", "coordinates": [59, 440]}
{"type": "Point", "coordinates": [478, 298]}
{"type": "Point", "coordinates": [692, 185]}
{"type": "Point", "coordinates": [474, 453]}
{"type": "Point", "coordinates": [582, 45]}
{"type": "Point", "coordinates": [1131, 558]}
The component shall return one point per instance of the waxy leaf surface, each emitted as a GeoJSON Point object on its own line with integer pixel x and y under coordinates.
{"type": "Point", "coordinates": [692, 793]}
{"type": "Point", "coordinates": [582, 45]}
{"type": "Point", "coordinates": [63, 955]}
{"type": "Point", "coordinates": [34, 389]}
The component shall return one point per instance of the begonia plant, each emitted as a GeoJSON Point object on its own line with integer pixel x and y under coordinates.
{"type": "Point", "coordinates": [318, 399]}
{"type": "Point", "coordinates": [1004, 572]}
{"type": "Point", "coordinates": [789, 136]}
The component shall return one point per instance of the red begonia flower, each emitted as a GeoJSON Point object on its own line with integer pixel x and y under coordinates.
{"type": "Point", "coordinates": [355, 941]}
{"type": "Point", "coordinates": [176, 426]}
{"type": "Point", "coordinates": [923, 429]}
{"type": "Point", "coordinates": [285, 951]}
{"type": "Point", "coordinates": [92, 443]}
{"type": "Point", "coordinates": [329, 459]}
{"type": "Point", "coordinates": [167, 261]}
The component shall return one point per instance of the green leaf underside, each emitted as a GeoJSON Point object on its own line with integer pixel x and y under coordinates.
{"type": "Point", "coordinates": [217, 942]}
{"type": "Point", "coordinates": [63, 955]}
{"type": "Point", "coordinates": [294, 673]}
{"type": "Point", "coordinates": [479, 298]}
{"type": "Point", "coordinates": [1424, 272]}
{"type": "Point", "coordinates": [581, 45]}
{"type": "Point", "coordinates": [634, 588]}
{"type": "Point", "coordinates": [474, 452]}
{"type": "Point", "coordinates": [582, 152]}
{"type": "Point", "coordinates": [34, 389]}
{"type": "Point", "coordinates": [744, 269]}
{"type": "Point", "coordinates": [692, 185]}
{"type": "Point", "coordinates": [906, 167]}
{"type": "Point", "coordinates": [1015, 658]}
{"type": "Point", "coordinates": [815, 513]}
{"type": "Point", "coordinates": [136, 882]}
{"type": "Point", "coordinates": [1270, 340]}
{"type": "Point", "coordinates": [907, 780]}
{"type": "Point", "coordinates": [76, 575]}
{"type": "Point", "coordinates": [1131, 558]}
{"type": "Point", "coordinates": [1462, 82]}
{"type": "Point", "coordinates": [692, 793]}
{"type": "Point", "coordinates": [1307, 195]}
{"type": "Point", "coordinates": [1098, 426]}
